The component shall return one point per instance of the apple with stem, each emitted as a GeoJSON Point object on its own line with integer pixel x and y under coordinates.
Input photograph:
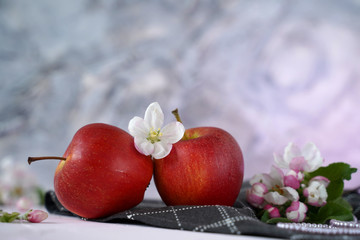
{"type": "Point", "coordinates": [100, 173]}
{"type": "Point", "coordinates": [206, 167]}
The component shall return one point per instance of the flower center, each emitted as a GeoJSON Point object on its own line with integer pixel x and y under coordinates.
{"type": "Point", "coordinates": [278, 189]}
{"type": "Point", "coordinates": [154, 135]}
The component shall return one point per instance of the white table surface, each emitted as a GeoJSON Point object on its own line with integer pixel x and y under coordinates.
{"type": "Point", "coordinates": [57, 227]}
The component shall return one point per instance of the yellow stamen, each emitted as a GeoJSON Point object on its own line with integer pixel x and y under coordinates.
{"type": "Point", "coordinates": [278, 189]}
{"type": "Point", "coordinates": [154, 135]}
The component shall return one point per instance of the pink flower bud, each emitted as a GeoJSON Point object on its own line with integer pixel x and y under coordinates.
{"type": "Point", "coordinates": [273, 211]}
{"type": "Point", "coordinates": [36, 216]}
{"type": "Point", "coordinates": [291, 181]}
{"type": "Point", "coordinates": [321, 179]}
{"type": "Point", "coordinates": [296, 212]}
{"type": "Point", "coordinates": [255, 195]}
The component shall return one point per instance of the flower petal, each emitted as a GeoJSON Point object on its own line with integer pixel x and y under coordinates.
{"type": "Point", "coordinates": [277, 176]}
{"type": "Point", "coordinates": [298, 175]}
{"type": "Point", "coordinates": [290, 193]}
{"type": "Point", "coordinates": [143, 146]}
{"type": "Point", "coordinates": [161, 149]}
{"type": "Point", "coordinates": [253, 199]}
{"type": "Point", "coordinates": [275, 198]}
{"type": "Point", "coordinates": [291, 181]}
{"type": "Point", "coordinates": [321, 179]}
{"type": "Point", "coordinates": [138, 127]}
{"type": "Point", "coordinates": [297, 163]}
{"type": "Point", "coordinates": [172, 132]}
{"type": "Point", "coordinates": [255, 195]}
{"type": "Point", "coordinates": [262, 178]}
{"type": "Point", "coordinates": [312, 156]}
{"type": "Point", "coordinates": [154, 116]}
{"type": "Point", "coordinates": [291, 151]}
{"type": "Point", "coordinates": [280, 161]}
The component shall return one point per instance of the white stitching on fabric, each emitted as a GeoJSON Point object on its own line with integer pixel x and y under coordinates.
{"type": "Point", "coordinates": [129, 215]}
{"type": "Point", "coordinates": [166, 211]}
{"type": "Point", "coordinates": [229, 222]}
{"type": "Point", "coordinates": [221, 223]}
{"type": "Point", "coordinates": [177, 218]}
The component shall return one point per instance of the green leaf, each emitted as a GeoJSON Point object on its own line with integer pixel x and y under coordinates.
{"type": "Point", "coordinates": [8, 217]}
{"type": "Point", "coordinates": [342, 202]}
{"type": "Point", "coordinates": [265, 217]}
{"type": "Point", "coordinates": [335, 189]}
{"type": "Point", "coordinates": [338, 209]}
{"type": "Point", "coordinates": [276, 220]}
{"type": "Point", "coordinates": [312, 213]}
{"type": "Point", "coordinates": [335, 171]}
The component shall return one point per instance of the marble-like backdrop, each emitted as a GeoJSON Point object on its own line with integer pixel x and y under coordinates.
{"type": "Point", "coordinates": [269, 72]}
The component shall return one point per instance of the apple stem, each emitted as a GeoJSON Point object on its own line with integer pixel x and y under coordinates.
{"type": "Point", "coordinates": [177, 115]}
{"type": "Point", "coordinates": [34, 159]}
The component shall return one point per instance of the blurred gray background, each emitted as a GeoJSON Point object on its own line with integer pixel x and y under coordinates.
{"type": "Point", "coordinates": [268, 72]}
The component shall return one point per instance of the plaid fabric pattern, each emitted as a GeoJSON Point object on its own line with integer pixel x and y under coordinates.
{"type": "Point", "coordinates": [239, 219]}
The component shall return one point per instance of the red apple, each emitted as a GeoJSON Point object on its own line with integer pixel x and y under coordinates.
{"type": "Point", "coordinates": [102, 173]}
{"type": "Point", "coordinates": [206, 167]}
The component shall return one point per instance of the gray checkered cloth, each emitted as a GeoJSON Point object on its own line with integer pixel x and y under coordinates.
{"type": "Point", "coordinates": [239, 219]}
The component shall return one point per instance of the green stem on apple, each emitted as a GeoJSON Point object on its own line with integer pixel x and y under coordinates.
{"type": "Point", "coordinates": [34, 159]}
{"type": "Point", "coordinates": [177, 115]}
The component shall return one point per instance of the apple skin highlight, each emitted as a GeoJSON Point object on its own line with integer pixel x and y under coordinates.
{"type": "Point", "coordinates": [103, 173]}
{"type": "Point", "coordinates": [205, 168]}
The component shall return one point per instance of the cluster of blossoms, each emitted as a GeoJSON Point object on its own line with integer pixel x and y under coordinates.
{"type": "Point", "coordinates": [19, 188]}
{"type": "Point", "coordinates": [18, 185]}
{"type": "Point", "coordinates": [285, 191]}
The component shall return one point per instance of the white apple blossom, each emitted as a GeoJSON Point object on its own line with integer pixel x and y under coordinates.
{"type": "Point", "coordinates": [316, 191]}
{"type": "Point", "coordinates": [281, 195]}
{"type": "Point", "coordinates": [278, 193]}
{"type": "Point", "coordinates": [149, 136]}
{"type": "Point", "coordinates": [307, 159]}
